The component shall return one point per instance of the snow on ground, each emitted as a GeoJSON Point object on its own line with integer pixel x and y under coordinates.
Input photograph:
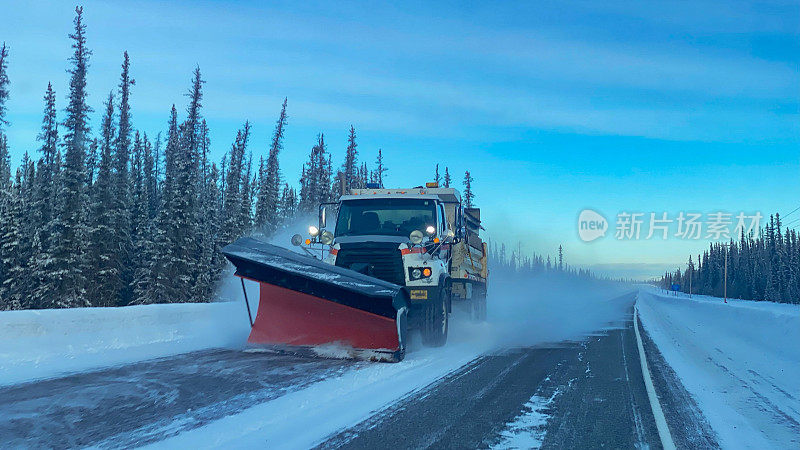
{"type": "Point", "coordinates": [528, 429]}
{"type": "Point", "coordinates": [304, 418]}
{"type": "Point", "coordinates": [47, 343]}
{"type": "Point", "coordinates": [521, 312]}
{"type": "Point", "coordinates": [740, 361]}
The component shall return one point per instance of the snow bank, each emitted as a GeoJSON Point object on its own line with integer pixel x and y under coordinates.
{"type": "Point", "coordinates": [740, 361]}
{"type": "Point", "coordinates": [46, 343]}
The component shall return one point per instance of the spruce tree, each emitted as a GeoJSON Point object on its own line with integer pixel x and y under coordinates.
{"type": "Point", "coordinates": [288, 202]}
{"type": "Point", "coordinates": [4, 83]}
{"type": "Point", "coordinates": [141, 222]}
{"type": "Point", "coordinates": [47, 185]}
{"type": "Point", "coordinates": [5, 163]}
{"type": "Point", "coordinates": [305, 189]}
{"type": "Point", "coordinates": [381, 169]}
{"type": "Point", "coordinates": [12, 264]}
{"type": "Point", "coordinates": [447, 179]}
{"type": "Point", "coordinates": [232, 225]}
{"type": "Point", "coordinates": [5, 159]}
{"type": "Point", "coordinates": [69, 249]}
{"type": "Point", "coordinates": [8, 206]}
{"type": "Point", "coordinates": [436, 177]}
{"type": "Point", "coordinates": [260, 217]}
{"type": "Point", "coordinates": [157, 280]}
{"type": "Point", "coordinates": [469, 197]}
{"type": "Point", "coordinates": [323, 173]}
{"type": "Point", "coordinates": [150, 175]}
{"type": "Point", "coordinates": [350, 168]}
{"type": "Point", "coordinates": [121, 210]}
{"type": "Point", "coordinates": [189, 240]}
{"type": "Point", "coordinates": [267, 208]}
{"type": "Point", "coordinates": [246, 212]}
{"type": "Point", "coordinates": [104, 259]}
{"type": "Point", "coordinates": [315, 183]}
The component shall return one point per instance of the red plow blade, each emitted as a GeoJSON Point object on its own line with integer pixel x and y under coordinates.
{"type": "Point", "coordinates": [308, 306]}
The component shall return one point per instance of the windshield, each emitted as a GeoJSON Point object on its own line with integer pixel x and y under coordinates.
{"type": "Point", "coordinates": [390, 217]}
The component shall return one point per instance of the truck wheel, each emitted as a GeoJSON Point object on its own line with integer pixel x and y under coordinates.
{"type": "Point", "coordinates": [479, 305]}
{"type": "Point", "coordinates": [435, 322]}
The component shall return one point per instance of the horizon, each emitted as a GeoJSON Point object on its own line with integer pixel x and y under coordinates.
{"type": "Point", "coordinates": [605, 108]}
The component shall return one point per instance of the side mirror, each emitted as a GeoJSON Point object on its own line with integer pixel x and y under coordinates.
{"type": "Point", "coordinates": [322, 216]}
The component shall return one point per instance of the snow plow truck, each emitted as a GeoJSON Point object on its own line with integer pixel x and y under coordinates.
{"type": "Point", "coordinates": [388, 261]}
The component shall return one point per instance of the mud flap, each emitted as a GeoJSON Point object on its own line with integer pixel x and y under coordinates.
{"type": "Point", "coordinates": [308, 306]}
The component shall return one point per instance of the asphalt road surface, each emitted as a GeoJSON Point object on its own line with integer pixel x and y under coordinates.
{"type": "Point", "coordinates": [585, 394]}
{"type": "Point", "coordinates": [149, 401]}
{"type": "Point", "coordinates": [593, 396]}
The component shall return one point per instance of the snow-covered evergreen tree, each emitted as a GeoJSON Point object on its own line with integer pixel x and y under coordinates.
{"type": "Point", "coordinates": [232, 225]}
{"type": "Point", "coordinates": [69, 249]}
{"type": "Point", "coordinates": [288, 202]}
{"type": "Point", "coordinates": [315, 180]}
{"type": "Point", "coordinates": [12, 263]}
{"type": "Point", "coordinates": [47, 184]}
{"type": "Point", "coordinates": [161, 277]}
{"type": "Point", "coordinates": [121, 209]}
{"type": "Point", "coordinates": [269, 184]}
{"type": "Point", "coordinates": [248, 183]}
{"type": "Point", "coordinates": [104, 259]}
{"type": "Point", "coordinates": [447, 179]}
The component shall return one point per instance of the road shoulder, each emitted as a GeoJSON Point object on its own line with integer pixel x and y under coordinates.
{"type": "Point", "coordinates": [688, 426]}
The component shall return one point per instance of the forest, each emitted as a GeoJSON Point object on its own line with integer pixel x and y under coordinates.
{"type": "Point", "coordinates": [117, 216]}
{"type": "Point", "coordinates": [762, 265]}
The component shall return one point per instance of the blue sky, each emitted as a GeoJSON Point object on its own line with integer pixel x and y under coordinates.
{"type": "Point", "coordinates": [553, 106]}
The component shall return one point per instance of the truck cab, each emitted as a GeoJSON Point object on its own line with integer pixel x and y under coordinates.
{"type": "Point", "coordinates": [414, 238]}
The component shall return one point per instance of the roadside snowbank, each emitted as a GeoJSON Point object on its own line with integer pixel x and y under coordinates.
{"type": "Point", "coordinates": [47, 343]}
{"type": "Point", "coordinates": [740, 361]}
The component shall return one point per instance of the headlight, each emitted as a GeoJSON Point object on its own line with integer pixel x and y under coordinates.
{"type": "Point", "coordinates": [313, 231]}
{"type": "Point", "coordinates": [297, 239]}
{"type": "Point", "coordinates": [415, 237]}
{"type": "Point", "coordinates": [430, 230]}
{"type": "Point", "coordinates": [419, 273]}
{"type": "Point", "coordinates": [326, 238]}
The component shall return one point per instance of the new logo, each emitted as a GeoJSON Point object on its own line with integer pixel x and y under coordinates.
{"type": "Point", "coordinates": [591, 225]}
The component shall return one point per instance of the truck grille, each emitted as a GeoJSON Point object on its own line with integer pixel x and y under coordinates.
{"type": "Point", "coordinates": [381, 261]}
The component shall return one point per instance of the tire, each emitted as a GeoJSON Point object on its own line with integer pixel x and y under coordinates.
{"type": "Point", "coordinates": [478, 310]}
{"type": "Point", "coordinates": [435, 322]}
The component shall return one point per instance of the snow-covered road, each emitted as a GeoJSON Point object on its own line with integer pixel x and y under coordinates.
{"type": "Point", "coordinates": [740, 362]}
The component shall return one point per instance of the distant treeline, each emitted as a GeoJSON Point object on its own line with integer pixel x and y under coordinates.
{"type": "Point", "coordinates": [118, 217]}
{"type": "Point", "coordinates": [765, 266]}
{"type": "Point", "coordinates": [501, 259]}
